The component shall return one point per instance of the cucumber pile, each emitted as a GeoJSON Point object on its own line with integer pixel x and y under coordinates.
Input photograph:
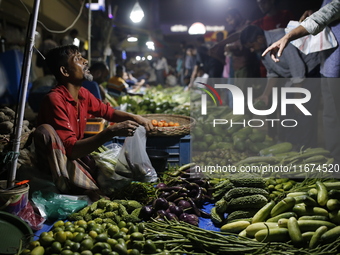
{"type": "Point", "coordinates": [307, 218]}
{"type": "Point", "coordinates": [239, 198]}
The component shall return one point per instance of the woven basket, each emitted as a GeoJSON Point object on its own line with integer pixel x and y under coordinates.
{"type": "Point", "coordinates": [185, 124]}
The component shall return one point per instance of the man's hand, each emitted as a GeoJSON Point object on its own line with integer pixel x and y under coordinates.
{"type": "Point", "coordinates": [276, 49]}
{"type": "Point", "coordinates": [124, 128]}
{"type": "Point", "coordinates": [144, 122]}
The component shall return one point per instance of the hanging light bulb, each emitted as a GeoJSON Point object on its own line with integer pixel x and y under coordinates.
{"type": "Point", "coordinates": [137, 13]}
{"type": "Point", "coordinates": [197, 29]}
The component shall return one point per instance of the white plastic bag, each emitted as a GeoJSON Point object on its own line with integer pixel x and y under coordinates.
{"type": "Point", "coordinates": [107, 160]}
{"type": "Point", "coordinates": [133, 158]}
{"type": "Point", "coordinates": [108, 180]}
{"type": "Point", "coordinates": [313, 43]}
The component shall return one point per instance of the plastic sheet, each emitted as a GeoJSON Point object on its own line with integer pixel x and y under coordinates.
{"type": "Point", "coordinates": [54, 206]}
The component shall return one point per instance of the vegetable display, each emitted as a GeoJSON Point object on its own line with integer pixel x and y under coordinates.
{"type": "Point", "coordinates": [172, 100]}
{"type": "Point", "coordinates": [306, 217]}
{"type": "Point", "coordinates": [179, 199]}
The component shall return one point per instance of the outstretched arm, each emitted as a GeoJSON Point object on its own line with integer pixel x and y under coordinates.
{"type": "Point", "coordinates": [277, 47]}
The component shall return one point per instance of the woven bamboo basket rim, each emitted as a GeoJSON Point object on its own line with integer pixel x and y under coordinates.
{"type": "Point", "coordinates": [185, 124]}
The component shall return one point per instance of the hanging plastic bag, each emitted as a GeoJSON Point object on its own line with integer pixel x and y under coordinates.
{"type": "Point", "coordinates": [313, 43]}
{"type": "Point", "coordinates": [54, 206]}
{"type": "Point", "coordinates": [108, 180]}
{"type": "Point", "coordinates": [107, 159]}
{"type": "Point", "coordinates": [133, 161]}
{"type": "Point", "coordinates": [121, 165]}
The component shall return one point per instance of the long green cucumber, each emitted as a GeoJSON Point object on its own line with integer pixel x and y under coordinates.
{"type": "Point", "coordinates": [263, 213]}
{"type": "Point", "coordinates": [316, 238]}
{"type": "Point", "coordinates": [285, 215]}
{"type": "Point", "coordinates": [331, 234]}
{"type": "Point", "coordinates": [283, 206]}
{"type": "Point", "coordinates": [277, 148]}
{"type": "Point", "coordinates": [294, 230]}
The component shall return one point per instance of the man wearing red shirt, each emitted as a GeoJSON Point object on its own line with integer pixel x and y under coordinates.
{"type": "Point", "coordinates": [273, 17]}
{"type": "Point", "coordinates": [59, 137]}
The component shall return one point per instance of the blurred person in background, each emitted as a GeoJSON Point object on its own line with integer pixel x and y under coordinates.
{"type": "Point", "coordinates": [161, 67]}
{"type": "Point", "coordinates": [216, 63]}
{"type": "Point", "coordinates": [313, 23]}
{"type": "Point", "coordinates": [189, 61]}
{"type": "Point", "coordinates": [116, 85]}
{"type": "Point", "coordinates": [239, 62]}
{"type": "Point", "coordinates": [273, 17]}
{"type": "Point", "coordinates": [295, 67]}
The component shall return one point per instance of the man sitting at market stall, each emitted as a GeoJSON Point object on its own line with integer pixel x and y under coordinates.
{"type": "Point", "coordinates": [59, 138]}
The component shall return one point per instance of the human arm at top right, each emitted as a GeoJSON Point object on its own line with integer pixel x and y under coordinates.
{"type": "Point", "coordinates": [313, 24]}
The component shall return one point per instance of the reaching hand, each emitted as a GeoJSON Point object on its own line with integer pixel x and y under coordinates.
{"type": "Point", "coordinates": [276, 49]}
{"type": "Point", "coordinates": [145, 122]}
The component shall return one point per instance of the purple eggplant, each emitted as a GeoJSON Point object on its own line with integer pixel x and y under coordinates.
{"type": "Point", "coordinates": [184, 204]}
{"type": "Point", "coordinates": [146, 212]}
{"type": "Point", "coordinates": [175, 210]}
{"type": "Point", "coordinates": [160, 204]}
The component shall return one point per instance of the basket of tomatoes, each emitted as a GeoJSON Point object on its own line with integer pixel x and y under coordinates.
{"type": "Point", "coordinates": [170, 125]}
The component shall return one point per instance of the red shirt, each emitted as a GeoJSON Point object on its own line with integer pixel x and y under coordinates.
{"type": "Point", "coordinates": [59, 110]}
{"type": "Point", "coordinates": [279, 20]}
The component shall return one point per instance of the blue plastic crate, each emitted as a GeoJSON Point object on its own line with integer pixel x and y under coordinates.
{"type": "Point", "coordinates": [178, 147]}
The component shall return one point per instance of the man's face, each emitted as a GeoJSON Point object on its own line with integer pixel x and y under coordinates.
{"type": "Point", "coordinates": [233, 20]}
{"type": "Point", "coordinates": [257, 46]}
{"type": "Point", "coordinates": [265, 5]}
{"type": "Point", "coordinates": [230, 19]}
{"type": "Point", "coordinates": [78, 68]}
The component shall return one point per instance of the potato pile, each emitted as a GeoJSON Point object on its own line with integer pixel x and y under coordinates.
{"type": "Point", "coordinates": [7, 120]}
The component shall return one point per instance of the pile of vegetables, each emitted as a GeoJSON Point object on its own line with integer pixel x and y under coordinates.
{"type": "Point", "coordinates": [7, 122]}
{"type": "Point", "coordinates": [89, 237]}
{"type": "Point", "coordinates": [307, 218]}
{"type": "Point", "coordinates": [180, 199]}
{"type": "Point", "coordinates": [312, 162]}
{"type": "Point", "coordinates": [107, 211]}
{"type": "Point", "coordinates": [182, 238]}
{"type": "Point", "coordinates": [224, 134]}
{"type": "Point", "coordinates": [143, 192]}
{"type": "Point", "coordinates": [172, 100]}
{"type": "Point", "coordinates": [239, 198]}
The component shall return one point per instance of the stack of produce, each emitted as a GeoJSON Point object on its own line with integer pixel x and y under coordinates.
{"type": "Point", "coordinates": [108, 211]}
{"type": "Point", "coordinates": [307, 218]}
{"type": "Point", "coordinates": [90, 237]}
{"type": "Point", "coordinates": [179, 199]}
{"type": "Point", "coordinates": [172, 100]}
{"type": "Point", "coordinates": [7, 122]}
{"type": "Point", "coordinates": [181, 238]}
{"type": "Point", "coordinates": [278, 187]}
{"type": "Point", "coordinates": [241, 200]}
{"type": "Point", "coordinates": [312, 162]}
